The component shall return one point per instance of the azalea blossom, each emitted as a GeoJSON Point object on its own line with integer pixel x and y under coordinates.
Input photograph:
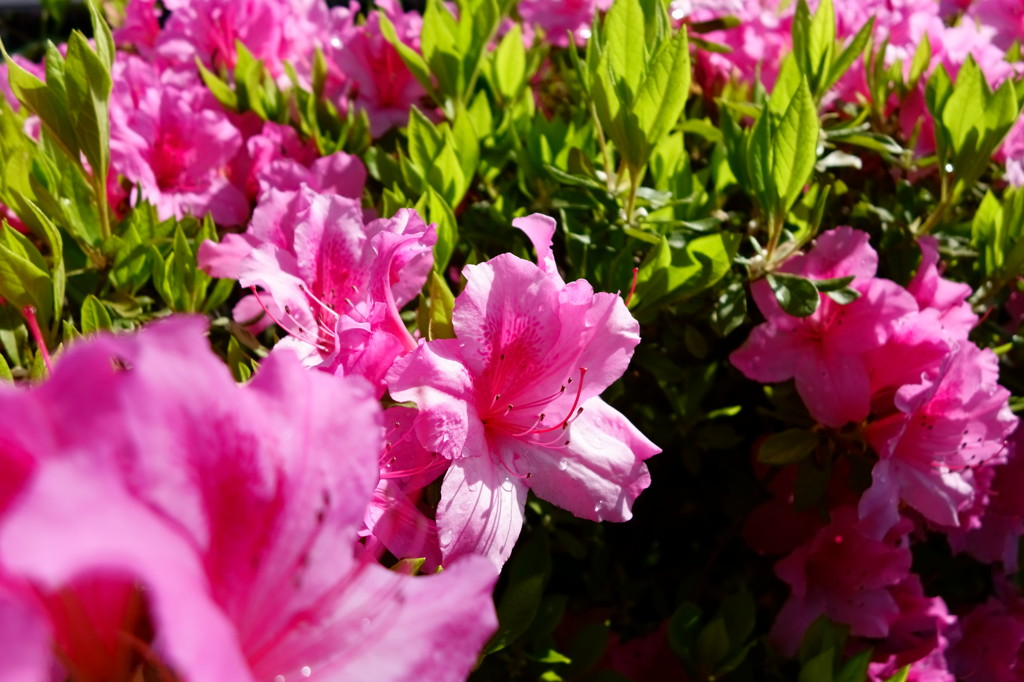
{"type": "Point", "coordinates": [955, 418]}
{"type": "Point", "coordinates": [844, 574]}
{"type": "Point", "coordinates": [173, 140]}
{"type": "Point", "coordinates": [180, 524]}
{"type": "Point", "coordinates": [826, 352]}
{"type": "Point", "coordinates": [333, 282]}
{"type": "Point", "coordinates": [513, 401]}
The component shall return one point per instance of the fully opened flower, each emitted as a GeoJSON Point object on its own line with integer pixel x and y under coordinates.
{"type": "Point", "coordinates": [825, 352]}
{"type": "Point", "coordinates": [513, 401]}
{"type": "Point", "coordinates": [165, 520]}
{"type": "Point", "coordinates": [954, 419]}
{"type": "Point", "coordinates": [333, 282]}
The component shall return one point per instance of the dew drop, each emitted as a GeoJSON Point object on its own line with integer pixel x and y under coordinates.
{"type": "Point", "coordinates": [948, 167]}
{"type": "Point", "coordinates": [306, 671]}
{"type": "Point", "coordinates": [336, 42]}
{"type": "Point", "coordinates": [563, 465]}
{"type": "Point", "coordinates": [598, 507]}
{"type": "Point", "coordinates": [585, 34]}
{"type": "Point", "coordinates": [279, 678]}
{"type": "Point", "coordinates": [445, 538]}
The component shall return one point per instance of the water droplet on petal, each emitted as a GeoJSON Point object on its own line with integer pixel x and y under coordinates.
{"type": "Point", "coordinates": [598, 507]}
{"type": "Point", "coordinates": [563, 464]}
{"type": "Point", "coordinates": [279, 678]}
{"type": "Point", "coordinates": [446, 538]}
{"type": "Point", "coordinates": [306, 671]}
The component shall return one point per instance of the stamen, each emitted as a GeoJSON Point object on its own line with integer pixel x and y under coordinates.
{"type": "Point", "coordinates": [33, 325]}
{"type": "Point", "coordinates": [573, 414]}
{"type": "Point", "coordinates": [301, 334]}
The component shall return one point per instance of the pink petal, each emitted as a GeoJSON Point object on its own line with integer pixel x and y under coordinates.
{"type": "Point", "coordinates": [481, 510]}
{"type": "Point", "coordinates": [598, 475]}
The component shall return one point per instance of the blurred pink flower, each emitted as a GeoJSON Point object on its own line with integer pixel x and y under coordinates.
{"type": "Point", "coordinates": [559, 18]}
{"type": "Point", "coordinates": [362, 64]}
{"type": "Point", "coordinates": [844, 574]}
{"type": "Point", "coordinates": [171, 138]}
{"type": "Point", "coordinates": [274, 31]}
{"type": "Point", "coordinates": [169, 517]}
{"type": "Point", "coordinates": [513, 401]}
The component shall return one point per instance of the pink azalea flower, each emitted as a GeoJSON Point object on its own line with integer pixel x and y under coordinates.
{"type": "Point", "coordinates": [175, 142]}
{"type": "Point", "coordinates": [513, 401]}
{"type": "Point", "coordinates": [1005, 17]}
{"type": "Point", "coordinates": [332, 282]}
{"type": "Point", "coordinates": [844, 574]}
{"type": "Point", "coordinates": [996, 534]}
{"type": "Point", "coordinates": [948, 298]}
{"type": "Point", "coordinates": [141, 27]}
{"type": "Point", "coordinates": [991, 643]}
{"type": "Point", "coordinates": [275, 31]}
{"type": "Point", "coordinates": [559, 18]}
{"type": "Point", "coordinates": [918, 637]}
{"type": "Point", "coordinates": [174, 520]}
{"type": "Point", "coordinates": [364, 65]}
{"type": "Point", "coordinates": [825, 352]}
{"type": "Point", "coordinates": [954, 419]}
{"type": "Point", "coordinates": [757, 45]}
{"type": "Point", "coordinates": [393, 520]}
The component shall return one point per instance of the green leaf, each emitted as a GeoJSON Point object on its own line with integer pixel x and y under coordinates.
{"type": "Point", "coordinates": [412, 59]}
{"type": "Point", "coordinates": [24, 278]}
{"type": "Point", "coordinates": [819, 668]}
{"type": "Point", "coordinates": [220, 89]}
{"type": "Point", "coordinates": [528, 569]}
{"type": "Point", "coordinates": [670, 273]}
{"type": "Point", "coordinates": [922, 58]}
{"type": "Point", "coordinates": [821, 41]}
{"type": "Point", "coordinates": [88, 85]}
{"type": "Point", "coordinates": [662, 96]}
{"type": "Point", "coordinates": [713, 644]}
{"type": "Point", "coordinates": [101, 35]}
{"type": "Point", "coordinates": [854, 49]}
{"type": "Point", "coordinates": [855, 669]}
{"type": "Point", "coordinates": [682, 628]}
{"type": "Point", "coordinates": [94, 316]}
{"type": "Point", "coordinates": [788, 447]}
{"type": "Point", "coordinates": [626, 50]}
{"type": "Point", "coordinates": [442, 302]}
{"type": "Point", "coordinates": [833, 284]}
{"type": "Point", "coordinates": [5, 371]}
{"type": "Point", "coordinates": [510, 63]}
{"type": "Point", "coordinates": [796, 295]}
{"type": "Point", "coordinates": [794, 148]}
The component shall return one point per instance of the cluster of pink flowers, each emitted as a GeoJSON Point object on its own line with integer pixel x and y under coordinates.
{"type": "Point", "coordinates": [983, 30]}
{"type": "Point", "coordinates": [237, 529]}
{"type": "Point", "coordinates": [177, 148]}
{"type": "Point", "coordinates": [893, 377]}
{"type": "Point", "coordinates": [508, 405]}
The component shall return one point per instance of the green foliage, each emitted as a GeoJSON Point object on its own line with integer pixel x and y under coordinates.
{"type": "Point", "coordinates": [970, 122]}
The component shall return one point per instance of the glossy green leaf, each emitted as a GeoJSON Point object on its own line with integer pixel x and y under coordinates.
{"type": "Point", "coordinates": [794, 148]}
{"type": "Point", "coordinates": [94, 316]}
{"type": "Point", "coordinates": [796, 295]}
